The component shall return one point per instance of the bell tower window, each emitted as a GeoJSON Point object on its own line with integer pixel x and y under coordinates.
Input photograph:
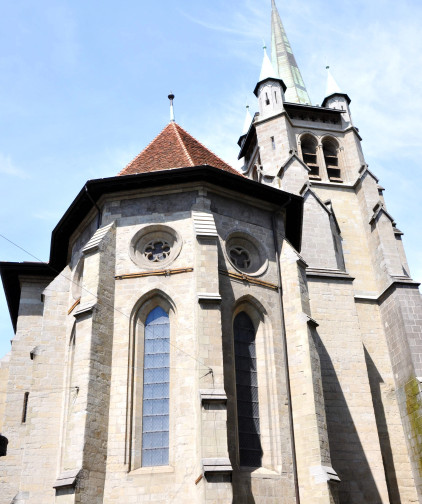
{"type": "Point", "coordinates": [309, 155]}
{"type": "Point", "coordinates": [330, 150]}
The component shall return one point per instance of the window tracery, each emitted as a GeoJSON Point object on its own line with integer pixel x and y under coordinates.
{"type": "Point", "coordinates": [240, 257]}
{"type": "Point", "coordinates": [157, 250]}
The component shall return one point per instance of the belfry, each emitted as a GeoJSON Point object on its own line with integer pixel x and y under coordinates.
{"type": "Point", "coordinates": [207, 335]}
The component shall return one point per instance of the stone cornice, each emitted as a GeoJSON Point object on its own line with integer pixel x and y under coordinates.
{"type": "Point", "coordinates": [327, 273]}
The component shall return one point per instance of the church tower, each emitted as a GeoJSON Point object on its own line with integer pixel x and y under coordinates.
{"type": "Point", "coordinates": [201, 335]}
{"type": "Point", "coordinates": [361, 294]}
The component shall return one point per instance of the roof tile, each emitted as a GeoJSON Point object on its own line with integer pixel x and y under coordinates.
{"type": "Point", "coordinates": [174, 148]}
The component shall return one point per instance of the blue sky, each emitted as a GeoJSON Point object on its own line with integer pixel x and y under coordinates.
{"type": "Point", "coordinates": [84, 85]}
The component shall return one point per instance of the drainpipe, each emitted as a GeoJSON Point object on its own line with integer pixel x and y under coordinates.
{"type": "Point", "coordinates": [96, 206]}
{"type": "Point", "coordinates": [286, 357]}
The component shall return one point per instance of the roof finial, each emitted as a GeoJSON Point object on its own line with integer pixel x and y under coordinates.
{"type": "Point", "coordinates": [171, 98]}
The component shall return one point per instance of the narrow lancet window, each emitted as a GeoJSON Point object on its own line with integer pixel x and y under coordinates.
{"type": "Point", "coordinates": [331, 159]}
{"type": "Point", "coordinates": [156, 388]}
{"type": "Point", "coordinates": [250, 451]}
{"type": "Point", "coordinates": [309, 153]}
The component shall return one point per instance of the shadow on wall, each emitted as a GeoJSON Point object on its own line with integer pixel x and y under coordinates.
{"type": "Point", "coordinates": [347, 455]}
{"type": "Point", "coordinates": [241, 387]}
{"type": "Point", "coordinates": [3, 445]}
{"type": "Point", "coordinates": [375, 381]}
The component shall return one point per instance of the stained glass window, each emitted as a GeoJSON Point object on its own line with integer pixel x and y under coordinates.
{"type": "Point", "coordinates": [155, 399]}
{"type": "Point", "coordinates": [250, 450]}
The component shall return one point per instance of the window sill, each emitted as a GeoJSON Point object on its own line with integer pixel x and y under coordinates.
{"type": "Point", "coordinates": [152, 470]}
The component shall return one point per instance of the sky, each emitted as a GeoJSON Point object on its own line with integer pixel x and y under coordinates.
{"type": "Point", "coordinates": [84, 85]}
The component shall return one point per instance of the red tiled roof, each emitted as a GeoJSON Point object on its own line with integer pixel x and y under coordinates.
{"type": "Point", "coordinates": [174, 148]}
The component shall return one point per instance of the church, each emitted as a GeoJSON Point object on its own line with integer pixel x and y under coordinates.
{"type": "Point", "coordinates": [207, 335]}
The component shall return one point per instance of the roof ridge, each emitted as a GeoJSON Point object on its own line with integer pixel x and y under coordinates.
{"type": "Point", "coordinates": [206, 148]}
{"type": "Point", "coordinates": [185, 150]}
{"type": "Point", "coordinates": [145, 148]}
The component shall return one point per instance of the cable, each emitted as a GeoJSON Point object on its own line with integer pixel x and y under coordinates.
{"type": "Point", "coordinates": [109, 305]}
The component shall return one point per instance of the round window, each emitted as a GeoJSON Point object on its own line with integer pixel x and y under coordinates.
{"type": "Point", "coordinates": [157, 250]}
{"type": "Point", "coordinates": [155, 246]}
{"type": "Point", "coordinates": [246, 254]}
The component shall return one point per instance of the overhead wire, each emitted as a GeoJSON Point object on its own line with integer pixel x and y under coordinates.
{"type": "Point", "coordinates": [104, 303]}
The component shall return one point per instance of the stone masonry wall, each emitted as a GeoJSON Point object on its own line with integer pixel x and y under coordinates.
{"type": "Point", "coordinates": [352, 429]}
{"type": "Point", "coordinates": [401, 312]}
{"type": "Point", "coordinates": [398, 470]}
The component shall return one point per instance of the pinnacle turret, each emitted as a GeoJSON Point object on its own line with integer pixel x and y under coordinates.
{"type": "Point", "coordinates": [267, 69]}
{"type": "Point", "coordinates": [248, 121]}
{"type": "Point", "coordinates": [332, 86]}
{"type": "Point", "coordinates": [284, 62]}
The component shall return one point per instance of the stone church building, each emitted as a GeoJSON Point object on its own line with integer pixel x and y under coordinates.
{"type": "Point", "coordinates": [201, 335]}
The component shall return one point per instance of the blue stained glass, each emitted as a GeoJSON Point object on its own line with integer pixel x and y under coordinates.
{"type": "Point", "coordinates": [250, 450]}
{"type": "Point", "coordinates": [159, 360]}
{"type": "Point", "coordinates": [155, 400]}
{"type": "Point", "coordinates": [152, 407]}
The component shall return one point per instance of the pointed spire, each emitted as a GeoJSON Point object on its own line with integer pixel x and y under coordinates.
{"type": "Point", "coordinates": [332, 86]}
{"type": "Point", "coordinates": [284, 61]}
{"type": "Point", "coordinates": [267, 69]}
{"type": "Point", "coordinates": [171, 98]}
{"type": "Point", "coordinates": [248, 120]}
{"type": "Point", "coordinates": [334, 89]}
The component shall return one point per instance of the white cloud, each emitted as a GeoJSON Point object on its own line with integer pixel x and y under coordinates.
{"type": "Point", "coordinates": [7, 167]}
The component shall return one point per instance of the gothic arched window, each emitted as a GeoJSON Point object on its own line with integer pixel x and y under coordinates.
{"type": "Point", "coordinates": [309, 155]}
{"type": "Point", "coordinates": [330, 150]}
{"type": "Point", "coordinates": [156, 389]}
{"type": "Point", "coordinates": [250, 451]}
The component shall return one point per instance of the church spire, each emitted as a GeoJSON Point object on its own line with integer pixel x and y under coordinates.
{"type": "Point", "coordinates": [284, 61]}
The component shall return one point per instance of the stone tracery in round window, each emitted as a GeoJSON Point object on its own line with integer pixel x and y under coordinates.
{"type": "Point", "coordinates": [157, 250]}
{"type": "Point", "coordinates": [155, 246]}
{"type": "Point", "coordinates": [246, 253]}
{"type": "Point", "coordinates": [240, 257]}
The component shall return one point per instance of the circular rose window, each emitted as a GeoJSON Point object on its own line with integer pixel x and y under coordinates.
{"type": "Point", "coordinates": [155, 246]}
{"type": "Point", "coordinates": [157, 250]}
{"type": "Point", "coordinates": [246, 254]}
